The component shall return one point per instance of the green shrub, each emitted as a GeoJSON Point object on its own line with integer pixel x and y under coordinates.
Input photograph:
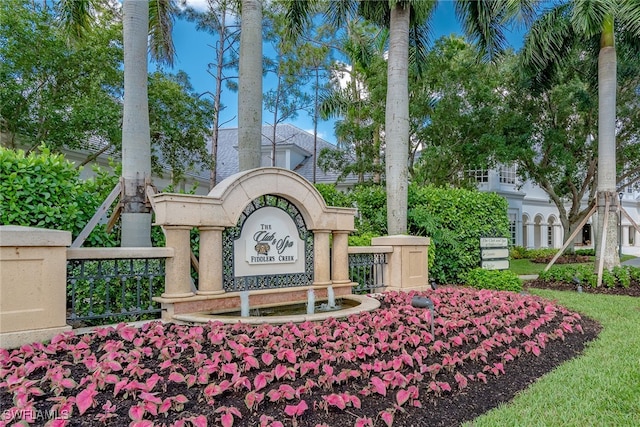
{"type": "Point", "coordinates": [540, 253]}
{"type": "Point", "coordinates": [619, 276]}
{"type": "Point", "coordinates": [44, 190]}
{"type": "Point", "coordinates": [455, 220]}
{"type": "Point", "coordinates": [586, 252]}
{"type": "Point", "coordinates": [518, 252]}
{"type": "Point", "coordinates": [499, 280]}
{"type": "Point", "coordinates": [362, 239]}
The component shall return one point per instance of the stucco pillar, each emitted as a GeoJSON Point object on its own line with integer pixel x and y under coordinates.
{"type": "Point", "coordinates": [407, 267]}
{"type": "Point", "coordinates": [636, 240]}
{"type": "Point", "coordinates": [210, 272]}
{"type": "Point", "coordinates": [177, 282]}
{"type": "Point", "coordinates": [557, 236]}
{"type": "Point", "coordinates": [531, 239]}
{"type": "Point", "coordinates": [340, 258]}
{"type": "Point", "coordinates": [544, 235]}
{"type": "Point", "coordinates": [33, 280]}
{"type": "Point", "coordinates": [321, 258]}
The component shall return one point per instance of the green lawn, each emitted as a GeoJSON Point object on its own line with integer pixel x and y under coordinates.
{"type": "Point", "coordinates": [599, 388]}
{"type": "Point", "coordinates": [527, 267]}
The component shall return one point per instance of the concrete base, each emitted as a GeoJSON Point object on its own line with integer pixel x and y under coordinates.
{"type": "Point", "coordinates": [20, 338]}
{"type": "Point", "coordinates": [228, 301]}
{"type": "Point", "coordinates": [365, 304]}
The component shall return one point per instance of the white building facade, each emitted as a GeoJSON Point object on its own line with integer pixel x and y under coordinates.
{"type": "Point", "coordinates": [534, 218]}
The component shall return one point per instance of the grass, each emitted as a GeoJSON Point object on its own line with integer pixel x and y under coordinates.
{"type": "Point", "coordinates": [599, 388]}
{"type": "Point", "coordinates": [527, 267]}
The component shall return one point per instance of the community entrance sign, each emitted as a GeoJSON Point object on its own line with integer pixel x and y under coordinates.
{"type": "Point", "coordinates": [269, 243]}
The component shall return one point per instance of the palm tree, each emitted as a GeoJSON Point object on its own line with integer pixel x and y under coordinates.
{"type": "Point", "coordinates": [407, 23]}
{"type": "Point", "coordinates": [594, 25]}
{"type": "Point", "coordinates": [141, 19]}
{"type": "Point", "coordinates": [250, 86]}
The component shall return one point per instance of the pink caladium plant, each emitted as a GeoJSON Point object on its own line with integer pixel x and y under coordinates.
{"type": "Point", "coordinates": [163, 371]}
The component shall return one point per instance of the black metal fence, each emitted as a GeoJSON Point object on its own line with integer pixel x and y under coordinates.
{"type": "Point", "coordinates": [103, 291]}
{"type": "Point", "coordinates": [367, 270]}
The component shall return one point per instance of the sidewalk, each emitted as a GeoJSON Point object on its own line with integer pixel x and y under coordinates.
{"type": "Point", "coordinates": [635, 262]}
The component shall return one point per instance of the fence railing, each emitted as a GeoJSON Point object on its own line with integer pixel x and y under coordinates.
{"type": "Point", "coordinates": [109, 285]}
{"type": "Point", "coordinates": [367, 267]}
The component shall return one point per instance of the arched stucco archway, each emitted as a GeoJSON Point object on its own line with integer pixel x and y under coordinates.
{"type": "Point", "coordinates": [237, 191]}
{"type": "Point", "coordinates": [221, 209]}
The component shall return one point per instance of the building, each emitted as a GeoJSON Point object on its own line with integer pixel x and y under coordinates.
{"type": "Point", "coordinates": [534, 218]}
{"type": "Point", "coordinates": [535, 222]}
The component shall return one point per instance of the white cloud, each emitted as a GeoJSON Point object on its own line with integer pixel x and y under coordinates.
{"type": "Point", "coordinates": [199, 5]}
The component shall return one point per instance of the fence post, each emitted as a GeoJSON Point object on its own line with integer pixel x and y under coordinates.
{"type": "Point", "coordinates": [33, 279]}
{"type": "Point", "coordinates": [407, 267]}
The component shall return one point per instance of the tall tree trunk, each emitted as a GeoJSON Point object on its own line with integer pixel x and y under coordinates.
{"type": "Point", "coordinates": [397, 120]}
{"type": "Point", "coordinates": [136, 146]}
{"type": "Point", "coordinates": [607, 147]}
{"type": "Point", "coordinates": [250, 86]}
{"type": "Point", "coordinates": [217, 96]}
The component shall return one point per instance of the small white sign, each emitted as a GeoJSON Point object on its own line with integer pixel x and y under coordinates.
{"type": "Point", "coordinates": [498, 264]}
{"type": "Point", "coordinates": [494, 253]}
{"type": "Point", "coordinates": [271, 237]}
{"type": "Point", "coordinates": [494, 242]}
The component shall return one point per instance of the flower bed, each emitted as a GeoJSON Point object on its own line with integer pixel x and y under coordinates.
{"type": "Point", "coordinates": [378, 368]}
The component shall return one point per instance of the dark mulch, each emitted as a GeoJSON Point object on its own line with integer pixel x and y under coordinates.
{"type": "Point", "coordinates": [633, 290]}
{"type": "Point", "coordinates": [564, 259]}
{"type": "Point", "coordinates": [450, 409]}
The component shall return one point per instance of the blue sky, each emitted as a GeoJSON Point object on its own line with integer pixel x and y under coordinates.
{"type": "Point", "coordinates": [194, 53]}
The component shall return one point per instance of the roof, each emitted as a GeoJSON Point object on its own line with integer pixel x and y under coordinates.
{"type": "Point", "coordinates": [287, 136]}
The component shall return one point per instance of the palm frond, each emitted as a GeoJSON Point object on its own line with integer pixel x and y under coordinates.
{"type": "Point", "coordinates": [482, 23]}
{"type": "Point", "coordinates": [298, 15]}
{"type": "Point", "coordinates": [628, 17]}
{"type": "Point", "coordinates": [76, 17]}
{"type": "Point", "coordinates": [587, 16]}
{"type": "Point", "coordinates": [550, 39]}
{"type": "Point", "coordinates": [161, 16]}
{"type": "Point", "coordinates": [339, 12]}
{"type": "Point", "coordinates": [420, 34]}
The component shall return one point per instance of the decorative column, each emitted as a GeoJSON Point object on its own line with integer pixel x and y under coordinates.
{"type": "Point", "coordinates": [558, 240]}
{"type": "Point", "coordinates": [177, 283]}
{"type": "Point", "coordinates": [636, 240]}
{"type": "Point", "coordinates": [531, 239]}
{"type": "Point", "coordinates": [321, 258]}
{"type": "Point", "coordinates": [544, 235]}
{"type": "Point", "coordinates": [340, 258]}
{"type": "Point", "coordinates": [210, 272]}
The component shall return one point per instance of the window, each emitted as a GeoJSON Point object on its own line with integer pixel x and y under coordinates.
{"type": "Point", "coordinates": [478, 175]}
{"type": "Point", "coordinates": [550, 235]}
{"type": "Point", "coordinates": [508, 174]}
{"type": "Point", "coordinates": [512, 228]}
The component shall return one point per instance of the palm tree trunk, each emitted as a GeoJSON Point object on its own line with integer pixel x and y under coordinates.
{"type": "Point", "coordinates": [250, 86]}
{"type": "Point", "coordinates": [397, 120]}
{"type": "Point", "coordinates": [607, 146]}
{"type": "Point", "coordinates": [136, 148]}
